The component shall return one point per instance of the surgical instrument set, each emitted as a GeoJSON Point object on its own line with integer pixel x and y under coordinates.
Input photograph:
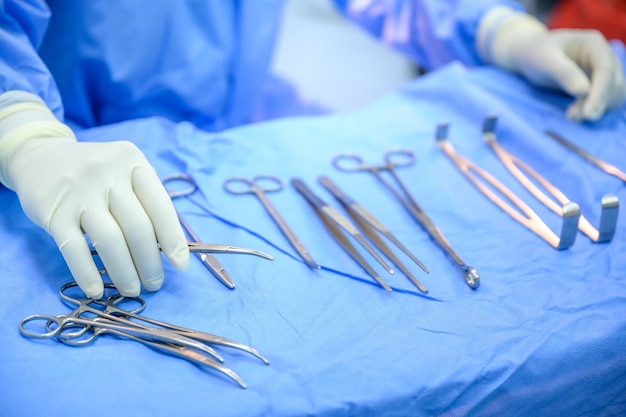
{"type": "Point", "coordinates": [259, 186]}
{"type": "Point", "coordinates": [371, 226]}
{"type": "Point", "coordinates": [335, 222]}
{"type": "Point", "coordinates": [94, 317]}
{"type": "Point", "coordinates": [398, 158]}
{"type": "Point", "coordinates": [527, 217]}
{"type": "Point", "coordinates": [520, 170]}
{"type": "Point", "coordinates": [202, 250]}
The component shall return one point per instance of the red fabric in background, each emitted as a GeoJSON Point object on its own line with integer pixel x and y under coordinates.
{"type": "Point", "coordinates": [607, 16]}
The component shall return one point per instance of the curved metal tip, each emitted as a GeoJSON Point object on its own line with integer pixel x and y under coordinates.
{"type": "Point", "coordinates": [471, 277]}
{"type": "Point", "coordinates": [219, 248]}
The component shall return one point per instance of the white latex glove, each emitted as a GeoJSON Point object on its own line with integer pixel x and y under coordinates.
{"type": "Point", "coordinates": [578, 62]}
{"type": "Point", "coordinates": [107, 190]}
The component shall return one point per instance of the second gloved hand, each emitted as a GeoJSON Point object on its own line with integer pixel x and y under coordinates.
{"type": "Point", "coordinates": [578, 62]}
{"type": "Point", "coordinates": [107, 190]}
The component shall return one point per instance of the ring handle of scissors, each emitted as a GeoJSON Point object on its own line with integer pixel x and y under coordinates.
{"type": "Point", "coordinates": [260, 183]}
{"type": "Point", "coordinates": [110, 303]}
{"type": "Point", "coordinates": [81, 302]}
{"type": "Point", "coordinates": [50, 321]}
{"type": "Point", "coordinates": [179, 178]}
{"type": "Point", "coordinates": [349, 162]}
{"type": "Point", "coordinates": [399, 158]}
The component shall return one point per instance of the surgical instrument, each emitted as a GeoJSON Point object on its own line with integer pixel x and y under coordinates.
{"type": "Point", "coordinates": [530, 219]}
{"type": "Point", "coordinates": [110, 304]}
{"type": "Point", "coordinates": [610, 202]}
{"type": "Point", "coordinates": [335, 222]}
{"type": "Point", "coordinates": [166, 337]}
{"type": "Point", "coordinates": [259, 186]}
{"type": "Point", "coordinates": [604, 166]}
{"type": "Point", "coordinates": [202, 250]}
{"type": "Point", "coordinates": [398, 158]}
{"type": "Point", "coordinates": [172, 349]}
{"type": "Point", "coordinates": [370, 225]}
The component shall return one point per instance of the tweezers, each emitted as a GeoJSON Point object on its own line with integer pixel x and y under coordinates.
{"type": "Point", "coordinates": [604, 166]}
{"type": "Point", "coordinates": [610, 202]}
{"type": "Point", "coordinates": [528, 218]}
{"type": "Point", "coordinates": [370, 225]}
{"type": "Point", "coordinates": [335, 222]}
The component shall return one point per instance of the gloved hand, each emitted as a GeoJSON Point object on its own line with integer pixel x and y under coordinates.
{"type": "Point", "coordinates": [578, 62]}
{"type": "Point", "coordinates": [107, 190]}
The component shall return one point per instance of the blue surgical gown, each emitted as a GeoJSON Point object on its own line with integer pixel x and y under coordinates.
{"type": "Point", "coordinates": [103, 61]}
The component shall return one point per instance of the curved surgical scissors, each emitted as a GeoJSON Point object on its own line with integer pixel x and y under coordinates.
{"type": "Point", "coordinates": [396, 158]}
{"type": "Point", "coordinates": [209, 261]}
{"type": "Point", "coordinates": [259, 186]}
{"type": "Point", "coordinates": [112, 312]}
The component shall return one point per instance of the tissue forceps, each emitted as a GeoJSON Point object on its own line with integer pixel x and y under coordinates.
{"type": "Point", "coordinates": [398, 158]}
{"type": "Point", "coordinates": [335, 222]}
{"type": "Point", "coordinates": [370, 225]}
{"type": "Point", "coordinates": [528, 218]}
{"type": "Point", "coordinates": [259, 186]}
{"type": "Point", "coordinates": [610, 202]}
{"type": "Point", "coordinates": [604, 166]}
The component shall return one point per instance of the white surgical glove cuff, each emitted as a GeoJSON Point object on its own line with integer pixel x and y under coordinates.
{"type": "Point", "coordinates": [579, 62]}
{"type": "Point", "coordinates": [107, 190]}
{"type": "Point", "coordinates": [23, 121]}
{"type": "Point", "coordinates": [502, 32]}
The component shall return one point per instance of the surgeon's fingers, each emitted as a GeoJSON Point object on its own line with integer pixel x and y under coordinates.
{"type": "Point", "coordinates": [108, 240]}
{"type": "Point", "coordinates": [139, 236]}
{"type": "Point", "coordinates": [552, 68]}
{"type": "Point", "coordinates": [73, 246]}
{"type": "Point", "coordinates": [607, 87]}
{"type": "Point", "coordinates": [162, 214]}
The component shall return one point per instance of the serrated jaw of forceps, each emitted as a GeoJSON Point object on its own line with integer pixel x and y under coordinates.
{"type": "Point", "coordinates": [610, 202]}
{"type": "Point", "coordinates": [522, 213]}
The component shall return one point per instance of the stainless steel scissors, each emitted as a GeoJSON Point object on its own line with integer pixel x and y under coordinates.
{"type": "Point", "coordinates": [106, 317]}
{"type": "Point", "coordinates": [396, 158]}
{"type": "Point", "coordinates": [259, 186]}
{"type": "Point", "coordinates": [111, 308]}
{"type": "Point", "coordinates": [202, 250]}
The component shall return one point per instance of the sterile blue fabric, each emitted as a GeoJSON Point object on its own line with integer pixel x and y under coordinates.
{"type": "Point", "coordinates": [544, 334]}
{"type": "Point", "coordinates": [203, 62]}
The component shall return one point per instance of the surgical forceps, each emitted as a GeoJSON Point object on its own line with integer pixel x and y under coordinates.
{"type": "Point", "coordinates": [259, 186]}
{"type": "Point", "coordinates": [113, 319]}
{"type": "Point", "coordinates": [202, 250]}
{"type": "Point", "coordinates": [398, 158]}
{"type": "Point", "coordinates": [370, 225]}
{"type": "Point", "coordinates": [604, 166]}
{"type": "Point", "coordinates": [335, 222]}
{"type": "Point", "coordinates": [528, 218]}
{"type": "Point", "coordinates": [610, 202]}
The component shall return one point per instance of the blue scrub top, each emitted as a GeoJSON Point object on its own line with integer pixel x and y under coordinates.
{"type": "Point", "coordinates": [203, 62]}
